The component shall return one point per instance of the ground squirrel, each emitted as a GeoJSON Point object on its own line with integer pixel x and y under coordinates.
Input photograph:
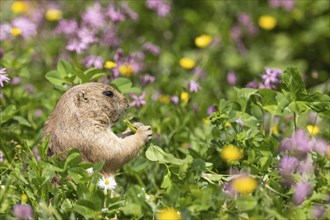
{"type": "Point", "coordinates": [83, 118]}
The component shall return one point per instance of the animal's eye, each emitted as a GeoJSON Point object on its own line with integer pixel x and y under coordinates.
{"type": "Point", "coordinates": [108, 93]}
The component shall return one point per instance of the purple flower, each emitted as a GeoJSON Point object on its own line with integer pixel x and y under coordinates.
{"type": "Point", "coordinates": [155, 95]}
{"type": "Point", "coordinates": [198, 72]}
{"type": "Point", "coordinates": [29, 89]}
{"type": "Point", "coordinates": [252, 84]}
{"type": "Point", "coordinates": [271, 77]}
{"type": "Point", "coordinates": [301, 191]}
{"type": "Point", "coordinates": [1, 156]}
{"type": "Point", "coordinates": [38, 112]}
{"type": "Point", "coordinates": [115, 15]}
{"type": "Point", "coordinates": [239, 121]}
{"type": "Point", "coordinates": [274, 3]}
{"type": "Point", "coordinates": [75, 45]}
{"type": "Point", "coordinates": [235, 32]}
{"type": "Point", "coordinates": [68, 27]}
{"type": "Point", "coordinates": [306, 167]}
{"type": "Point", "coordinates": [132, 14]}
{"type": "Point", "coordinates": [211, 109]}
{"type": "Point", "coordinates": [94, 61]}
{"type": "Point", "coordinates": [3, 76]}
{"type": "Point", "coordinates": [138, 101]}
{"type": "Point", "coordinates": [22, 211]}
{"type": "Point", "coordinates": [28, 28]}
{"type": "Point", "coordinates": [160, 6]}
{"type": "Point", "coordinates": [36, 153]}
{"type": "Point", "coordinates": [317, 211]}
{"type": "Point", "coordinates": [16, 80]}
{"type": "Point", "coordinates": [286, 4]}
{"type": "Point", "coordinates": [151, 48]}
{"type": "Point", "coordinates": [231, 78]}
{"type": "Point", "coordinates": [109, 38]}
{"type": "Point", "coordinates": [193, 86]}
{"type": "Point", "coordinates": [175, 99]}
{"type": "Point", "coordinates": [5, 32]}
{"type": "Point", "coordinates": [146, 79]}
{"type": "Point", "coordinates": [245, 20]}
{"type": "Point", "coordinates": [299, 143]}
{"type": "Point", "coordinates": [288, 165]}
{"type": "Point", "coordinates": [94, 16]}
{"type": "Point", "coordinates": [86, 35]}
{"type": "Point", "coordinates": [321, 147]}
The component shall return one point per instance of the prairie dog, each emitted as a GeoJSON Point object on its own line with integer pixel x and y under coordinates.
{"type": "Point", "coordinates": [83, 118]}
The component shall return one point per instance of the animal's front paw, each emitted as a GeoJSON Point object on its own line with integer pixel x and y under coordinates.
{"type": "Point", "coordinates": [145, 132]}
{"type": "Point", "coordinates": [137, 124]}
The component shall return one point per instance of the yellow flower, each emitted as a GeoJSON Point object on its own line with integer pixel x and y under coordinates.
{"type": "Point", "coordinates": [19, 7]}
{"type": "Point", "coordinates": [169, 214]}
{"type": "Point", "coordinates": [110, 64]}
{"type": "Point", "coordinates": [15, 31]}
{"type": "Point", "coordinates": [313, 130]}
{"type": "Point", "coordinates": [185, 145]}
{"type": "Point", "coordinates": [203, 40]}
{"type": "Point", "coordinates": [24, 198]}
{"type": "Point", "coordinates": [187, 63]}
{"type": "Point", "coordinates": [53, 14]}
{"type": "Point", "coordinates": [184, 97]}
{"type": "Point", "coordinates": [267, 22]}
{"type": "Point", "coordinates": [164, 99]}
{"type": "Point", "coordinates": [206, 121]}
{"type": "Point", "coordinates": [126, 70]}
{"type": "Point", "coordinates": [275, 130]}
{"type": "Point", "coordinates": [227, 124]}
{"type": "Point", "coordinates": [244, 184]}
{"type": "Point", "coordinates": [231, 153]}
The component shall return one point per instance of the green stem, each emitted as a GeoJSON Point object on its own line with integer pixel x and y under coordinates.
{"type": "Point", "coordinates": [129, 125]}
{"type": "Point", "coordinates": [273, 190]}
{"type": "Point", "coordinates": [294, 121]}
{"type": "Point", "coordinates": [271, 122]}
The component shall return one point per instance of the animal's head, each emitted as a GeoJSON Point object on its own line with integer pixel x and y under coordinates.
{"type": "Point", "coordinates": [99, 101]}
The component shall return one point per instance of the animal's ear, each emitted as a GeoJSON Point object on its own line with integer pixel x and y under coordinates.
{"type": "Point", "coordinates": [80, 97]}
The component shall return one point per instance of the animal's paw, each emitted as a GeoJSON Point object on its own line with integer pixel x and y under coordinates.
{"type": "Point", "coordinates": [137, 124]}
{"type": "Point", "coordinates": [145, 132]}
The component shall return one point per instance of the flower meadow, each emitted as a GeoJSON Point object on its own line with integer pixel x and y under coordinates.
{"type": "Point", "coordinates": [236, 92]}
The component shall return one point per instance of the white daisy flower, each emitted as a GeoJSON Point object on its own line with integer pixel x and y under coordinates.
{"type": "Point", "coordinates": [90, 170]}
{"type": "Point", "coordinates": [107, 183]}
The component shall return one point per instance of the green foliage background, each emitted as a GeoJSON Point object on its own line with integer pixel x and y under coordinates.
{"type": "Point", "coordinates": [181, 167]}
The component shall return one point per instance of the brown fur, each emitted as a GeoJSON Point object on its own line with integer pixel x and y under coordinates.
{"type": "Point", "coordinates": [83, 118]}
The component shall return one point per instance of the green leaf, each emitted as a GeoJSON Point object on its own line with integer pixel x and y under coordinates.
{"type": "Point", "coordinates": [211, 178]}
{"type": "Point", "coordinates": [84, 211]}
{"type": "Point", "coordinates": [73, 159]}
{"type": "Point", "coordinates": [244, 95]}
{"type": "Point", "coordinates": [50, 167]}
{"type": "Point", "coordinates": [64, 68]}
{"type": "Point", "coordinates": [167, 183]}
{"type": "Point", "coordinates": [124, 86]}
{"type": "Point", "coordinates": [132, 209]}
{"type": "Point", "coordinates": [292, 83]}
{"type": "Point", "coordinates": [77, 173]}
{"type": "Point", "coordinates": [55, 78]}
{"type": "Point", "coordinates": [97, 76]}
{"type": "Point", "coordinates": [245, 203]}
{"type": "Point", "coordinates": [248, 120]}
{"type": "Point", "coordinates": [7, 113]}
{"type": "Point", "coordinates": [155, 153]}
{"type": "Point", "coordinates": [22, 121]}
